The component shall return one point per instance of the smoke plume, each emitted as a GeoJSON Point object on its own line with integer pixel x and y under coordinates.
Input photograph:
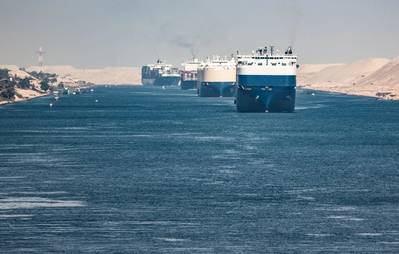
{"type": "Point", "coordinates": [185, 43]}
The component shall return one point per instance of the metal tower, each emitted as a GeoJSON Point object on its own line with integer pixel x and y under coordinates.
{"type": "Point", "coordinates": [40, 56]}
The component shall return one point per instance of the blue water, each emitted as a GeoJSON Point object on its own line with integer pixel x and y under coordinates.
{"type": "Point", "coordinates": [146, 170]}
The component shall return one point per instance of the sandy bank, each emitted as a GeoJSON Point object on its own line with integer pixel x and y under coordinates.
{"type": "Point", "coordinates": [376, 77]}
{"type": "Point", "coordinates": [71, 77]}
{"type": "Point", "coordinates": [24, 95]}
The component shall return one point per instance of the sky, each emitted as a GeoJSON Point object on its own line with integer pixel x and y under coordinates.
{"type": "Point", "coordinates": [100, 33]}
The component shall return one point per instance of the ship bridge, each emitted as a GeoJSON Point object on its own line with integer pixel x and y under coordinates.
{"type": "Point", "coordinates": [265, 57]}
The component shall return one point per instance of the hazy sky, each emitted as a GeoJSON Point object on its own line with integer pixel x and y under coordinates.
{"type": "Point", "coordinates": [97, 33]}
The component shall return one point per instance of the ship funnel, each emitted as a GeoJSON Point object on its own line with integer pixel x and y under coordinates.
{"type": "Point", "coordinates": [289, 51]}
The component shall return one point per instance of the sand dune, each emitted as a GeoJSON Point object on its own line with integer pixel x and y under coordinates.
{"type": "Point", "coordinates": [378, 77]}
{"type": "Point", "coordinates": [109, 76]}
{"type": "Point", "coordinates": [386, 75]}
{"type": "Point", "coordinates": [313, 68]}
{"type": "Point", "coordinates": [346, 73]}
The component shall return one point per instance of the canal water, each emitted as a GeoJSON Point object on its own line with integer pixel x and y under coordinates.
{"type": "Point", "coordinates": [146, 170]}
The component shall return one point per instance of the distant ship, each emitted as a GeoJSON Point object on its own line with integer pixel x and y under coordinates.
{"type": "Point", "coordinates": [160, 74]}
{"type": "Point", "coordinates": [189, 74]}
{"type": "Point", "coordinates": [149, 73]}
{"type": "Point", "coordinates": [266, 82]}
{"type": "Point", "coordinates": [217, 78]}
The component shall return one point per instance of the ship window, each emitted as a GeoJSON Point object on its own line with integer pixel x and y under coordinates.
{"type": "Point", "coordinates": [260, 64]}
{"type": "Point", "coordinates": [274, 64]}
{"type": "Point", "coordinates": [250, 63]}
{"type": "Point", "coordinates": [284, 64]}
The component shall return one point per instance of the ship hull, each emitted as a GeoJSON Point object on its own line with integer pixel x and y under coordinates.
{"type": "Point", "coordinates": [216, 89]}
{"type": "Point", "coordinates": [147, 81]}
{"type": "Point", "coordinates": [167, 81]}
{"type": "Point", "coordinates": [188, 84]}
{"type": "Point", "coordinates": [266, 93]}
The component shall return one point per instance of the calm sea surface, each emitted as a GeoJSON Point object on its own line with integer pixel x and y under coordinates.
{"type": "Point", "coordinates": [146, 170]}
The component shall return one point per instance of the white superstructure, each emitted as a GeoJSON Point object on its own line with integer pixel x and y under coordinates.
{"type": "Point", "coordinates": [217, 78]}
{"type": "Point", "coordinates": [217, 69]}
{"type": "Point", "coordinates": [267, 62]}
{"type": "Point", "coordinates": [192, 65]}
{"type": "Point", "coordinates": [190, 69]}
{"type": "Point", "coordinates": [169, 70]}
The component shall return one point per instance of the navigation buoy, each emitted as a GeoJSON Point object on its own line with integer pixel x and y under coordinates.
{"type": "Point", "coordinates": [313, 94]}
{"type": "Point", "coordinates": [51, 104]}
{"type": "Point", "coordinates": [91, 90]}
{"type": "Point", "coordinates": [163, 87]}
{"type": "Point", "coordinates": [96, 100]}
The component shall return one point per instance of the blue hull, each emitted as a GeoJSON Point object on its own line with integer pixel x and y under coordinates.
{"type": "Point", "coordinates": [266, 80]}
{"type": "Point", "coordinates": [167, 81]}
{"type": "Point", "coordinates": [266, 94]}
{"type": "Point", "coordinates": [188, 84]}
{"type": "Point", "coordinates": [216, 89]}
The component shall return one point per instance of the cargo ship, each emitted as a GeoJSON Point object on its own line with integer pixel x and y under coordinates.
{"type": "Point", "coordinates": [217, 78]}
{"type": "Point", "coordinates": [160, 74]}
{"type": "Point", "coordinates": [189, 74]}
{"type": "Point", "coordinates": [149, 73]}
{"type": "Point", "coordinates": [266, 82]}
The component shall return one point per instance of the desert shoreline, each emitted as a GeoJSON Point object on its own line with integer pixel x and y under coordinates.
{"type": "Point", "coordinates": [4, 103]}
{"type": "Point", "coordinates": [372, 77]}
{"type": "Point", "coordinates": [343, 92]}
